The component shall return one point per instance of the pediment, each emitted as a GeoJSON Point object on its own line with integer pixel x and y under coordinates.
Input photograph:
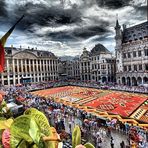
{"type": "Point", "coordinates": [25, 55]}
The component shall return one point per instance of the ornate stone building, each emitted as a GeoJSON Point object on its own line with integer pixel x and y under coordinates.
{"type": "Point", "coordinates": [85, 59]}
{"type": "Point", "coordinates": [76, 69]}
{"type": "Point", "coordinates": [28, 65]}
{"type": "Point", "coordinates": [69, 69]}
{"type": "Point", "coordinates": [97, 65]}
{"type": "Point", "coordinates": [132, 54]}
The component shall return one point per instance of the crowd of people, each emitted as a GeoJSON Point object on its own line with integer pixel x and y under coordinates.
{"type": "Point", "coordinates": [111, 86]}
{"type": "Point", "coordinates": [63, 118]}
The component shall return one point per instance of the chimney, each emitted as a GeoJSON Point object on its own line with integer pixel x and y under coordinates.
{"type": "Point", "coordinates": [20, 47]}
{"type": "Point", "coordinates": [11, 46]}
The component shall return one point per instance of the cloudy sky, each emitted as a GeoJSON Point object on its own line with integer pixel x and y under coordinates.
{"type": "Point", "coordinates": [65, 27]}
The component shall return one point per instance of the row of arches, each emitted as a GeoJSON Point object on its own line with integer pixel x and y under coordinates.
{"type": "Point", "coordinates": [133, 81]}
{"type": "Point", "coordinates": [108, 79]}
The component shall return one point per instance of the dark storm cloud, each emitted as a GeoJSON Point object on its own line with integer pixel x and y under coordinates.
{"type": "Point", "coordinates": [43, 15]}
{"type": "Point", "coordinates": [141, 9]}
{"type": "Point", "coordinates": [113, 4]}
{"type": "Point", "coordinates": [69, 25]}
{"type": "Point", "coordinates": [62, 36]}
{"type": "Point", "coordinates": [79, 33]}
{"type": "Point", "coordinates": [3, 11]}
{"type": "Point", "coordinates": [90, 31]}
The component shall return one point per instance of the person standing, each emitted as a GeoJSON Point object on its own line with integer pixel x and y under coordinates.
{"type": "Point", "coordinates": [122, 145]}
{"type": "Point", "coordinates": [112, 142]}
{"type": "Point", "coordinates": [98, 141]}
{"type": "Point", "coordinates": [70, 126]}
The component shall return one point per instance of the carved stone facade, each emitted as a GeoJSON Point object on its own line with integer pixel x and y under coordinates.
{"type": "Point", "coordinates": [132, 54]}
{"type": "Point", "coordinates": [97, 65]}
{"type": "Point", "coordinates": [69, 69]}
{"type": "Point", "coordinates": [24, 65]}
{"type": "Point", "coordinates": [85, 59]}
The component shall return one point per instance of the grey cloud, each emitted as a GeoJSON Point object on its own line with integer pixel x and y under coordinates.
{"type": "Point", "coordinates": [62, 36]}
{"type": "Point", "coordinates": [43, 15]}
{"type": "Point", "coordinates": [141, 9]}
{"type": "Point", "coordinates": [81, 33]}
{"type": "Point", "coordinates": [77, 23]}
{"type": "Point", "coordinates": [3, 10]}
{"type": "Point", "coordinates": [90, 31]}
{"type": "Point", "coordinates": [113, 4]}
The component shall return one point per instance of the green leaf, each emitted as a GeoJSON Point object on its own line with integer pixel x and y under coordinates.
{"type": "Point", "coordinates": [20, 130]}
{"type": "Point", "coordinates": [37, 114]}
{"type": "Point", "coordinates": [41, 121]}
{"type": "Point", "coordinates": [43, 125]}
{"type": "Point", "coordinates": [89, 145]}
{"type": "Point", "coordinates": [34, 131]}
{"type": "Point", "coordinates": [76, 137]}
{"type": "Point", "coordinates": [22, 144]}
{"type": "Point", "coordinates": [2, 118]}
{"type": "Point", "coordinates": [6, 123]}
{"type": "Point", "coordinates": [15, 141]}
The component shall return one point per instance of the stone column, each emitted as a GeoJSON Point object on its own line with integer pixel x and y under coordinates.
{"type": "Point", "coordinates": [8, 71]}
{"type": "Point", "coordinates": [22, 71]}
{"type": "Point", "coordinates": [34, 72]}
{"type": "Point", "coordinates": [51, 70]}
{"type": "Point", "coordinates": [25, 66]}
{"type": "Point", "coordinates": [30, 67]}
{"type": "Point", "coordinates": [47, 69]}
{"type": "Point", "coordinates": [18, 76]}
{"type": "Point", "coordinates": [13, 65]}
{"type": "Point", "coordinates": [44, 65]}
{"type": "Point", "coordinates": [41, 70]}
{"type": "Point", "coordinates": [37, 66]}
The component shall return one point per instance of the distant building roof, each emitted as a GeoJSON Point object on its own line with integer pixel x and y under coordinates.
{"type": "Point", "coordinates": [98, 49]}
{"type": "Point", "coordinates": [39, 53]}
{"type": "Point", "coordinates": [137, 32]}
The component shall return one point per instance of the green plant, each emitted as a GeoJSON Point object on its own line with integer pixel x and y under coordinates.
{"type": "Point", "coordinates": [31, 130]}
{"type": "Point", "coordinates": [76, 139]}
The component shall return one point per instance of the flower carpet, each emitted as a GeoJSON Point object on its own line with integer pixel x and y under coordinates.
{"type": "Point", "coordinates": [141, 113]}
{"type": "Point", "coordinates": [118, 103]}
{"type": "Point", "coordinates": [114, 102]}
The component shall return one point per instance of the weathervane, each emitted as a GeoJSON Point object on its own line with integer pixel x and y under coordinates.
{"type": "Point", "coordinates": [116, 16]}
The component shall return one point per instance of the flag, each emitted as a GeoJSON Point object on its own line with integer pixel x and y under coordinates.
{"type": "Point", "coordinates": [2, 44]}
{"type": "Point", "coordinates": [2, 59]}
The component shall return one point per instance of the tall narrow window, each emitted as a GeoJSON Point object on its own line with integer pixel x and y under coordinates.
{"type": "Point", "coordinates": [146, 52]}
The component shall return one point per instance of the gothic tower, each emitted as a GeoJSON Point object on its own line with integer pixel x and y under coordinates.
{"type": "Point", "coordinates": [118, 48]}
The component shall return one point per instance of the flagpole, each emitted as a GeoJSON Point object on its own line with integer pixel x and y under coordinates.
{"type": "Point", "coordinates": [4, 38]}
{"type": "Point", "coordinates": [2, 44]}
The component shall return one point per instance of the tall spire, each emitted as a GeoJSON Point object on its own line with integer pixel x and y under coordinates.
{"type": "Point", "coordinates": [147, 10]}
{"type": "Point", "coordinates": [117, 23]}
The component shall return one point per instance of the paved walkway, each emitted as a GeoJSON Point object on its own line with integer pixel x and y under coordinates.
{"type": "Point", "coordinates": [118, 137]}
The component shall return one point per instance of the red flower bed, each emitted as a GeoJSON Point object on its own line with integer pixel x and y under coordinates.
{"type": "Point", "coordinates": [121, 103]}
{"type": "Point", "coordinates": [118, 103]}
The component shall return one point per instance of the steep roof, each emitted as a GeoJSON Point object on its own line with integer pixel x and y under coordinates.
{"type": "Point", "coordinates": [136, 32]}
{"type": "Point", "coordinates": [98, 49]}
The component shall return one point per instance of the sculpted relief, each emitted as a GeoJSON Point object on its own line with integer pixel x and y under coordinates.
{"type": "Point", "coordinates": [25, 55]}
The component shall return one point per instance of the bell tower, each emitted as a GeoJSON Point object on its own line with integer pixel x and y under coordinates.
{"type": "Point", "coordinates": [118, 50]}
